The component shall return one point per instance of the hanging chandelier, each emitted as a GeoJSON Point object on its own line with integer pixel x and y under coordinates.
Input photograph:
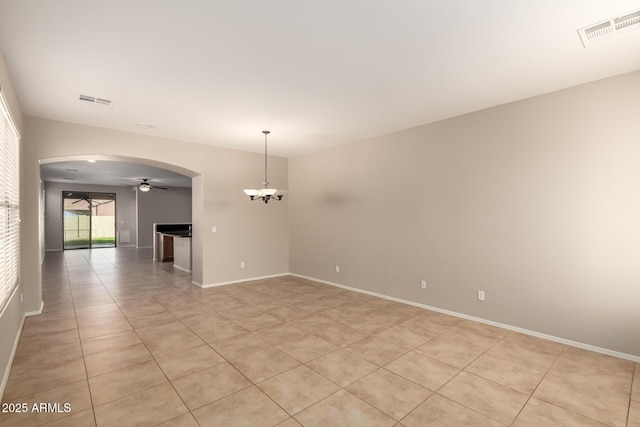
{"type": "Point", "coordinates": [266, 193]}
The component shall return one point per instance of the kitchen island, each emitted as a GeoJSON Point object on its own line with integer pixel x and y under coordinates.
{"type": "Point", "coordinates": [172, 243]}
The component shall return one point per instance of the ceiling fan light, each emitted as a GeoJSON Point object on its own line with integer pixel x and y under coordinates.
{"type": "Point", "coordinates": [144, 186]}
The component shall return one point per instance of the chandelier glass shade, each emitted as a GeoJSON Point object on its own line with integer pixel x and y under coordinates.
{"type": "Point", "coordinates": [265, 194]}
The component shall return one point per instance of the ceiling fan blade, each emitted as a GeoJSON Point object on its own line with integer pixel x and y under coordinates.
{"type": "Point", "coordinates": [161, 188]}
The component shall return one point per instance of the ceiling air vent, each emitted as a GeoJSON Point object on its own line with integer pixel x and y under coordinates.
{"type": "Point", "coordinates": [94, 100]}
{"type": "Point", "coordinates": [610, 28]}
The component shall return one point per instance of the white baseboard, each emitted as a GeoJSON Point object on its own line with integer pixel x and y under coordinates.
{"type": "Point", "coordinates": [35, 313]}
{"type": "Point", "coordinates": [181, 268]}
{"type": "Point", "coordinates": [16, 341]}
{"type": "Point", "coordinates": [213, 285]}
{"type": "Point", "coordinates": [485, 321]}
{"type": "Point", "coordinates": [5, 375]}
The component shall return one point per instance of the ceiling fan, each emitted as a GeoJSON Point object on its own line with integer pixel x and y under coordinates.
{"type": "Point", "coordinates": [145, 186]}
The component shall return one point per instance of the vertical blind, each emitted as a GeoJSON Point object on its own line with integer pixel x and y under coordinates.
{"type": "Point", "coordinates": [9, 204]}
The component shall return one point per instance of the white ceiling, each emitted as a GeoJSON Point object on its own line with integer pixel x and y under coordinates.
{"type": "Point", "coordinates": [316, 73]}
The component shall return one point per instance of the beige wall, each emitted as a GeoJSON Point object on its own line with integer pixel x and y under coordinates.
{"type": "Point", "coordinates": [535, 202]}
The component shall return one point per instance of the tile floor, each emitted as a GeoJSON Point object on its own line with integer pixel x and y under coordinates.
{"type": "Point", "coordinates": [125, 342]}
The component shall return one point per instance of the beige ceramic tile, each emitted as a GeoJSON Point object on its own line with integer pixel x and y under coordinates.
{"type": "Point", "coordinates": [304, 347]}
{"type": "Point", "coordinates": [184, 420]}
{"type": "Point", "coordinates": [426, 324]}
{"type": "Point", "coordinates": [298, 389]}
{"type": "Point", "coordinates": [423, 370]}
{"type": "Point", "coordinates": [471, 328]}
{"type": "Point", "coordinates": [504, 372]}
{"type": "Point", "coordinates": [493, 400]}
{"type": "Point", "coordinates": [173, 318]}
{"type": "Point", "coordinates": [580, 371]}
{"type": "Point", "coordinates": [123, 382]}
{"type": "Point", "coordinates": [369, 324]}
{"type": "Point", "coordinates": [249, 407]}
{"type": "Point", "coordinates": [635, 388]}
{"type": "Point", "coordinates": [75, 395]}
{"type": "Point", "coordinates": [187, 362]}
{"type": "Point", "coordinates": [118, 358]}
{"type": "Point", "coordinates": [611, 363]}
{"type": "Point", "coordinates": [438, 411]}
{"type": "Point", "coordinates": [137, 308]}
{"type": "Point", "coordinates": [583, 399]}
{"type": "Point", "coordinates": [149, 407]}
{"type": "Point", "coordinates": [110, 342]}
{"type": "Point", "coordinates": [258, 321]}
{"type": "Point", "coordinates": [526, 351]}
{"type": "Point", "coordinates": [397, 313]}
{"type": "Point", "coordinates": [452, 349]}
{"type": "Point", "coordinates": [289, 422]}
{"type": "Point", "coordinates": [342, 367]}
{"type": "Point", "coordinates": [220, 331]}
{"type": "Point", "coordinates": [76, 419]}
{"type": "Point", "coordinates": [390, 393]}
{"type": "Point", "coordinates": [206, 386]}
{"type": "Point", "coordinates": [103, 329]}
{"type": "Point", "coordinates": [377, 350]}
{"type": "Point", "coordinates": [99, 317]}
{"type": "Point", "coordinates": [312, 322]}
{"type": "Point", "coordinates": [240, 345]}
{"type": "Point", "coordinates": [27, 379]}
{"type": "Point", "coordinates": [92, 311]}
{"type": "Point", "coordinates": [149, 319]}
{"type": "Point", "coordinates": [338, 334]}
{"type": "Point", "coordinates": [35, 328]}
{"type": "Point", "coordinates": [343, 409]}
{"type": "Point", "coordinates": [171, 343]}
{"type": "Point", "coordinates": [634, 414]}
{"type": "Point", "coordinates": [263, 364]}
{"type": "Point", "coordinates": [404, 337]}
{"type": "Point", "coordinates": [538, 413]}
{"type": "Point", "coordinates": [280, 333]}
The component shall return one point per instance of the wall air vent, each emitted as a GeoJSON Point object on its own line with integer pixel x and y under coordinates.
{"type": "Point", "coordinates": [94, 100]}
{"type": "Point", "coordinates": [610, 28]}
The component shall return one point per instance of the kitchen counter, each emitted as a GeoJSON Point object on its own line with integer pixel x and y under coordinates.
{"type": "Point", "coordinates": [182, 252]}
{"type": "Point", "coordinates": [167, 236]}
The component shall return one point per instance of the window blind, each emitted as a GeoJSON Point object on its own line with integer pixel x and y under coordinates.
{"type": "Point", "coordinates": [9, 204]}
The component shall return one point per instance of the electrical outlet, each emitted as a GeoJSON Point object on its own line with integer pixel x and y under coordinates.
{"type": "Point", "coordinates": [423, 284]}
{"type": "Point", "coordinates": [337, 269]}
{"type": "Point", "coordinates": [241, 264]}
{"type": "Point", "coordinates": [480, 295]}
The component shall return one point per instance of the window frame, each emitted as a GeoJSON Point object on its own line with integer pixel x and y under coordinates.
{"type": "Point", "coordinates": [9, 204]}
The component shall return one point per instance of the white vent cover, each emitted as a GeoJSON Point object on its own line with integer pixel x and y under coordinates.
{"type": "Point", "coordinates": [610, 28]}
{"type": "Point", "coordinates": [95, 100]}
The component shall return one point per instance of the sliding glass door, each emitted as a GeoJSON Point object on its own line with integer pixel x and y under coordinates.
{"type": "Point", "coordinates": [89, 220]}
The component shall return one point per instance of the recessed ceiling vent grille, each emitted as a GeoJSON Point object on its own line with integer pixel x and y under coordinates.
{"type": "Point", "coordinates": [95, 100]}
{"type": "Point", "coordinates": [610, 28]}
